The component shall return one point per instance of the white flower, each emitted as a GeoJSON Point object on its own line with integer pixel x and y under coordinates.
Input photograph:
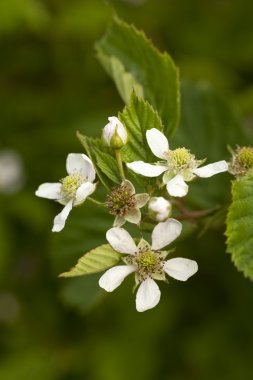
{"type": "Point", "coordinates": [114, 133]}
{"type": "Point", "coordinates": [179, 165]}
{"type": "Point", "coordinates": [159, 208]}
{"type": "Point", "coordinates": [125, 204]}
{"type": "Point", "coordinates": [71, 190]}
{"type": "Point", "coordinates": [148, 262]}
{"type": "Point", "coordinates": [11, 172]}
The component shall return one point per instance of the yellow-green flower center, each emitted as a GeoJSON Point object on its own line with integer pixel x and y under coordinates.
{"type": "Point", "coordinates": [180, 157]}
{"type": "Point", "coordinates": [245, 157]}
{"type": "Point", "coordinates": [71, 183]}
{"type": "Point", "coordinates": [147, 261]}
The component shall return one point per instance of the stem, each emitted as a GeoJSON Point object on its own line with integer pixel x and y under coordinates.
{"type": "Point", "coordinates": [100, 204]}
{"type": "Point", "coordinates": [120, 164]}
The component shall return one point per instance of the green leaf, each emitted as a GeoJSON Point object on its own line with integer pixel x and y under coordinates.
{"type": "Point", "coordinates": [103, 160]}
{"type": "Point", "coordinates": [126, 53]}
{"type": "Point", "coordinates": [208, 125]}
{"type": "Point", "coordinates": [239, 225]}
{"type": "Point", "coordinates": [138, 117]}
{"type": "Point", "coordinates": [97, 260]}
{"type": "Point", "coordinates": [124, 81]}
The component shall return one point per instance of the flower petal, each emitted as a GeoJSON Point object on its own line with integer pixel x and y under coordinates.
{"type": "Point", "coordinates": [121, 130]}
{"type": "Point", "coordinates": [113, 277]}
{"type": "Point", "coordinates": [211, 169]}
{"type": "Point", "coordinates": [148, 170]}
{"type": "Point", "coordinates": [80, 163]}
{"type": "Point", "coordinates": [119, 221]}
{"type": "Point", "coordinates": [180, 269]}
{"type": "Point", "coordinates": [142, 199]}
{"type": "Point", "coordinates": [165, 233]}
{"type": "Point", "coordinates": [157, 142]}
{"type": "Point", "coordinates": [49, 191]}
{"type": "Point", "coordinates": [121, 241]}
{"type": "Point", "coordinates": [133, 216]}
{"type": "Point", "coordinates": [60, 219]}
{"type": "Point", "coordinates": [148, 295]}
{"type": "Point", "coordinates": [177, 187]}
{"type": "Point", "coordinates": [129, 186]}
{"type": "Point", "coordinates": [83, 192]}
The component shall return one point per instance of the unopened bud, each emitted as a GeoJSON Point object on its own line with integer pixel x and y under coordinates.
{"type": "Point", "coordinates": [114, 133]}
{"type": "Point", "coordinates": [159, 208]}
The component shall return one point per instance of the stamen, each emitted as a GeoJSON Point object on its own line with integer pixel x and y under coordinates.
{"type": "Point", "coordinates": [148, 263]}
{"type": "Point", "coordinates": [180, 158]}
{"type": "Point", "coordinates": [242, 161]}
{"type": "Point", "coordinates": [71, 183]}
{"type": "Point", "coordinates": [120, 201]}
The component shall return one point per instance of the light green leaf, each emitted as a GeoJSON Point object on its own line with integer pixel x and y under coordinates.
{"type": "Point", "coordinates": [148, 69]}
{"type": "Point", "coordinates": [239, 225]}
{"type": "Point", "coordinates": [97, 260]}
{"type": "Point", "coordinates": [124, 81]}
{"type": "Point", "coordinates": [103, 160]}
{"type": "Point", "coordinates": [138, 117]}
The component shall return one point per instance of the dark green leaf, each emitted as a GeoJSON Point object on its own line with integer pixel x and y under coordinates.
{"type": "Point", "coordinates": [138, 117]}
{"type": "Point", "coordinates": [208, 125]}
{"type": "Point", "coordinates": [103, 160]}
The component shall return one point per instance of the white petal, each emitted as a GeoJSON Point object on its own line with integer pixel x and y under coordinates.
{"type": "Point", "coordinates": [60, 219]}
{"type": "Point", "coordinates": [157, 142]}
{"type": "Point", "coordinates": [129, 186]}
{"type": "Point", "coordinates": [177, 187]}
{"type": "Point", "coordinates": [113, 126]}
{"type": "Point", "coordinates": [211, 169]}
{"type": "Point", "coordinates": [121, 241]}
{"type": "Point", "coordinates": [165, 233]}
{"type": "Point", "coordinates": [108, 132]}
{"type": "Point", "coordinates": [113, 277]}
{"type": "Point", "coordinates": [147, 170]}
{"type": "Point", "coordinates": [119, 221]}
{"type": "Point", "coordinates": [80, 163]}
{"type": "Point", "coordinates": [148, 295]}
{"type": "Point", "coordinates": [141, 199]}
{"type": "Point", "coordinates": [133, 216]}
{"type": "Point", "coordinates": [120, 128]}
{"type": "Point", "coordinates": [83, 192]}
{"type": "Point", "coordinates": [180, 269]}
{"type": "Point", "coordinates": [49, 191]}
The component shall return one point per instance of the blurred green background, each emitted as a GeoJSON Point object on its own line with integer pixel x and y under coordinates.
{"type": "Point", "coordinates": [51, 86]}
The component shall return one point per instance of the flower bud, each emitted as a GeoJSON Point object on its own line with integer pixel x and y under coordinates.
{"type": "Point", "coordinates": [242, 161]}
{"type": "Point", "coordinates": [114, 133]}
{"type": "Point", "coordinates": [159, 208]}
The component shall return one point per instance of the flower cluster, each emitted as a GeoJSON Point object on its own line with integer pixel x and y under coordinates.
{"type": "Point", "coordinates": [148, 261]}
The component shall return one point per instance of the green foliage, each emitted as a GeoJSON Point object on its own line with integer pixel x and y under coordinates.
{"type": "Point", "coordinates": [208, 125]}
{"type": "Point", "coordinates": [82, 292]}
{"type": "Point", "coordinates": [239, 225]}
{"type": "Point", "coordinates": [138, 117]}
{"type": "Point", "coordinates": [97, 260]}
{"type": "Point", "coordinates": [125, 49]}
{"type": "Point", "coordinates": [102, 158]}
